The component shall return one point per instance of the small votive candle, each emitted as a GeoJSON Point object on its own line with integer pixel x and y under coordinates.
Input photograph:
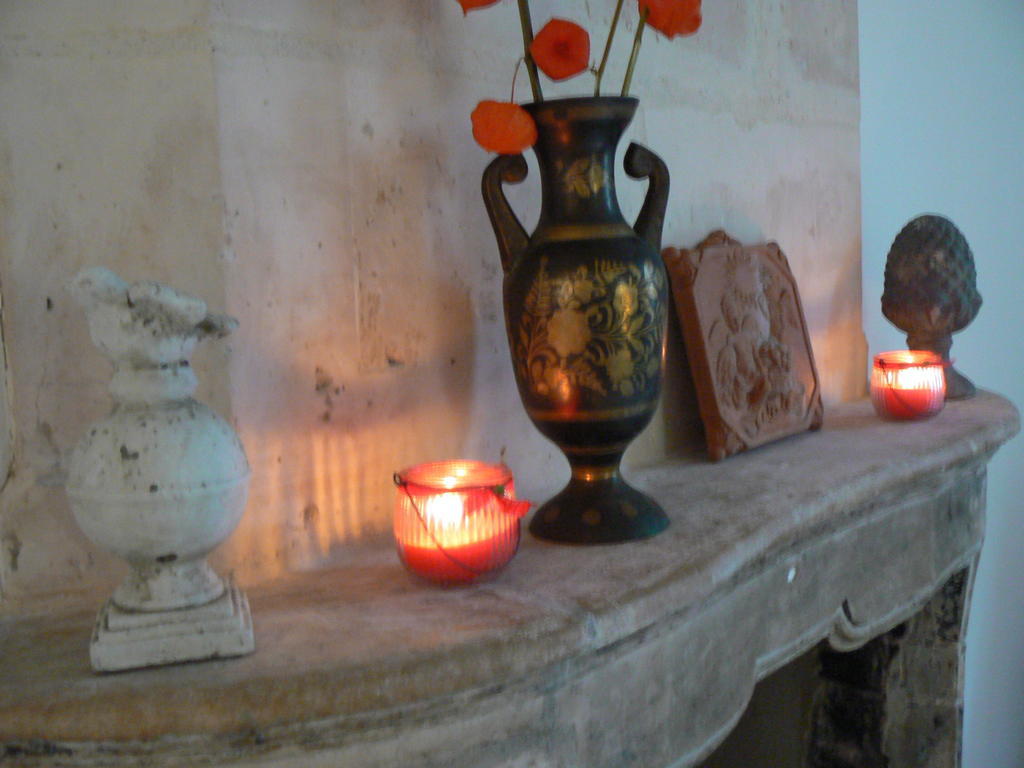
{"type": "Point", "coordinates": [908, 384]}
{"type": "Point", "coordinates": [456, 521]}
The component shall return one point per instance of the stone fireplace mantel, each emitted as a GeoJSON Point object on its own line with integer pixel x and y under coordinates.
{"type": "Point", "coordinates": [632, 655]}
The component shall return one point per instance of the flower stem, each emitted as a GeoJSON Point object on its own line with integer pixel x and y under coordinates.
{"type": "Point", "coordinates": [633, 54]}
{"type": "Point", "coordinates": [531, 67]}
{"type": "Point", "coordinates": [515, 74]}
{"type": "Point", "coordinates": [607, 47]}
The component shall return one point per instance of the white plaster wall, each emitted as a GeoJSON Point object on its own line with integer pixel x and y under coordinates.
{"type": "Point", "coordinates": [308, 167]}
{"type": "Point", "coordinates": [942, 95]}
{"type": "Point", "coordinates": [108, 154]}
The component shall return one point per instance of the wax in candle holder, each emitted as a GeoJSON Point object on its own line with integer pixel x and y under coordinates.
{"type": "Point", "coordinates": [456, 521]}
{"type": "Point", "coordinates": [908, 384]}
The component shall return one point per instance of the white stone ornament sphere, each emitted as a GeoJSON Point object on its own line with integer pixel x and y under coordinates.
{"type": "Point", "coordinates": [160, 487]}
{"type": "Point", "coordinates": [162, 480]}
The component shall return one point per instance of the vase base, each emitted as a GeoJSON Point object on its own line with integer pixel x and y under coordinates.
{"type": "Point", "coordinates": [162, 587]}
{"type": "Point", "coordinates": [605, 511]}
{"type": "Point", "coordinates": [132, 639]}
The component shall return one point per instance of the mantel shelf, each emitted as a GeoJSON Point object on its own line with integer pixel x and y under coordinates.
{"type": "Point", "coordinates": [363, 665]}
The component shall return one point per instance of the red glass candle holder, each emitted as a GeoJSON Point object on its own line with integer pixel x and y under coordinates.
{"type": "Point", "coordinates": [908, 384]}
{"type": "Point", "coordinates": [456, 521]}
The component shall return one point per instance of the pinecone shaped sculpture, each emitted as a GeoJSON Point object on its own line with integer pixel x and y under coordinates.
{"type": "Point", "coordinates": [930, 291]}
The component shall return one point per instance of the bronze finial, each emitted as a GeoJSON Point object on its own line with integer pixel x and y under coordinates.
{"type": "Point", "coordinates": [930, 291]}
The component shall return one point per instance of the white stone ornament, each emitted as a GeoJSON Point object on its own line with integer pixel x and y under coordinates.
{"type": "Point", "coordinates": [160, 482]}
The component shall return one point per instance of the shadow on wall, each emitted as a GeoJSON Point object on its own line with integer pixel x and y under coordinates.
{"type": "Point", "coordinates": [357, 297]}
{"type": "Point", "coordinates": [325, 479]}
{"type": "Point", "coordinates": [837, 318]}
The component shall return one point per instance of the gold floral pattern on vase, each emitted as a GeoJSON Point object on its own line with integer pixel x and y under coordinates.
{"type": "Point", "coordinates": [586, 177]}
{"type": "Point", "coordinates": [598, 327]}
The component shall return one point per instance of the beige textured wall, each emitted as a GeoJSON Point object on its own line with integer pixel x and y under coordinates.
{"type": "Point", "coordinates": [108, 155]}
{"type": "Point", "coordinates": [308, 167]}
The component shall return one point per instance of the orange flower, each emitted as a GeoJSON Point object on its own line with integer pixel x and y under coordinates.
{"type": "Point", "coordinates": [672, 17]}
{"type": "Point", "coordinates": [503, 127]}
{"type": "Point", "coordinates": [471, 5]}
{"type": "Point", "coordinates": [561, 49]}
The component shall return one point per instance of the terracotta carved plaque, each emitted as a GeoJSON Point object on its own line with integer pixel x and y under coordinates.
{"type": "Point", "coordinates": [746, 341]}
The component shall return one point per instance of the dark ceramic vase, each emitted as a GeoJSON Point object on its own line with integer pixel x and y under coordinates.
{"type": "Point", "coordinates": [585, 310]}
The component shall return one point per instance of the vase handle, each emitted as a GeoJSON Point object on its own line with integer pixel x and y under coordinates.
{"type": "Point", "coordinates": [512, 238]}
{"type": "Point", "coordinates": [641, 163]}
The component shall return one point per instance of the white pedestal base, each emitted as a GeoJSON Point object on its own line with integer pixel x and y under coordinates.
{"type": "Point", "coordinates": [130, 639]}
